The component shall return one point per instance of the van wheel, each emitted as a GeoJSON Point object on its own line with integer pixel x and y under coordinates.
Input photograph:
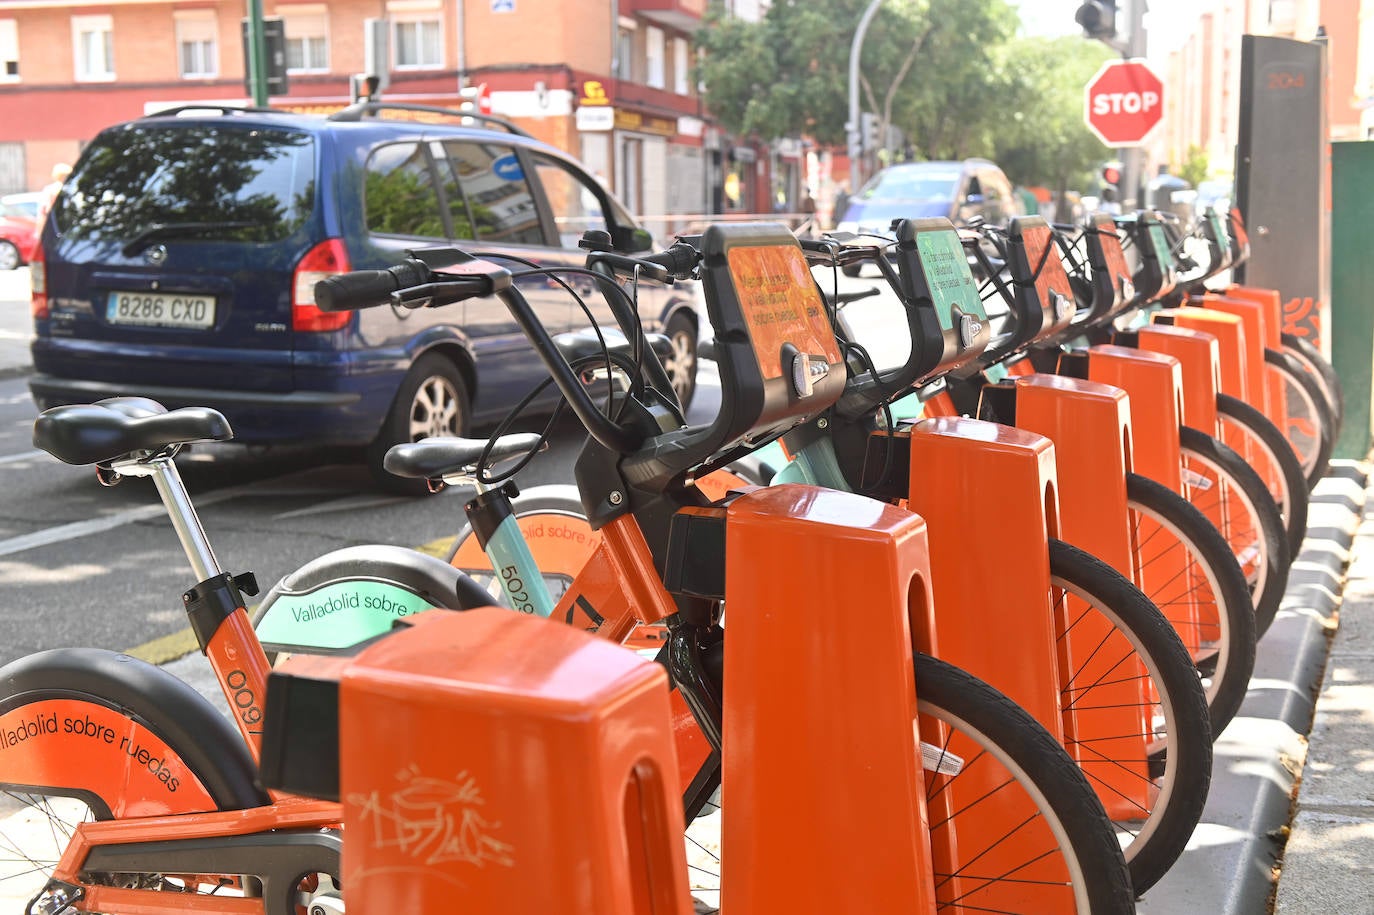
{"type": "Point", "coordinates": [681, 366]}
{"type": "Point", "coordinates": [9, 256]}
{"type": "Point", "coordinates": [433, 400]}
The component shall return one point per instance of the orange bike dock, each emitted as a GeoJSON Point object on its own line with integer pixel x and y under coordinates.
{"type": "Point", "coordinates": [1090, 425]}
{"type": "Point", "coordinates": [496, 762]}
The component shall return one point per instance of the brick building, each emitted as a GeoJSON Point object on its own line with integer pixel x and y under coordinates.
{"type": "Point", "coordinates": [610, 81]}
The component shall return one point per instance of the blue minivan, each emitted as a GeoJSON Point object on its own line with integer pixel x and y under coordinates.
{"type": "Point", "coordinates": [180, 259]}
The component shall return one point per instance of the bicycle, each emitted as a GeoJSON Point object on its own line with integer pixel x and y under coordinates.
{"type": "Point", "coordinates": [1242, 393]}
{"type": "Point", "coordinates": [1221, 484]}
{"type": "Point", "coordinates": [1176, 555]}
{"type": "Point", "coordinates": [658, 468]}
{"type": "Point", "coordinates": [943, 343]}
{"type": "Point", "coordinates": [156, 794]}
{"type": "Point", "coordinates": [1087, 852]}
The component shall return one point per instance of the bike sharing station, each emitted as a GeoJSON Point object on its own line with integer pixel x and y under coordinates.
{"type": "Point", "coordinates": [985, 621]}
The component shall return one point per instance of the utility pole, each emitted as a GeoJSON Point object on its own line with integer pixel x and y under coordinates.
{"type": "Point", "coordinates": [853, 129]}
{"type": "Point", "coordinates": [1133, 158]}
{"type": "Point", "coordinates": [257, 55]}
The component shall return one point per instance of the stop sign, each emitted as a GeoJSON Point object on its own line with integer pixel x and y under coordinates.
{"type": "Point", "coordinates": [1124, 101]}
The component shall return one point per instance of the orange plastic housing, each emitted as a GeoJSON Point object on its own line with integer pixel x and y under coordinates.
{"type": "Point", "coordinates": [1200, 360]}
{"type": "Point", "coordinates": [497, 762]}
{"type": "Point", "coordinates": [810, 698]}
{"type": "Point", "coordinates": [1090, 425]}
{"type": "Point", "coordinates": [1266, 388]}
{"type": "Point", "coordinates": [1154, 382]}
{"type": "Point", "coordinates": [963, 473]}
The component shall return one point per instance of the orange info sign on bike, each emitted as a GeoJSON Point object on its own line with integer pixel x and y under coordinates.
{"type": "Point", "coordinates": [779, 302]}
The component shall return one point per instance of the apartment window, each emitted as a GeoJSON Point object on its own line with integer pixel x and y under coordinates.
{"type": "Point", "coordinates": [9, 51]}
{"type": "Point", "coordinates": [93, 47]}
{"type": "Point", "coordinates": [307, 38]}
{"type": "Point", "coordinates": [681, 65]}
{"type": "Point", "coordinates": [654, 57]}
{"type": "Point", "coordinates": [624, 53]}
{"type": "Point", "coordinates": [416, 42]}
{"type": "Point", "coordinates": [197, 53]}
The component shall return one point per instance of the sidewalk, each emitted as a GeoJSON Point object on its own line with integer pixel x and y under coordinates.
{"type": "Point", "coordinates": [1328, 864]}
{"type": "Point", "coordinates": [1237, 853]}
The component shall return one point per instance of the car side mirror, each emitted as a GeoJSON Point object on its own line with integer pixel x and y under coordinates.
{"type": "Point", "coordinates": [629, 239]}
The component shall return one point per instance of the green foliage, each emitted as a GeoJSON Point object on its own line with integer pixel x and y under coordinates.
{"type": "Point", "coordinates": [1043, 139]}
{"type": "Point", "coordinates": [1195, 167]}
{"type": "Point", "coordinates": [951, 74]}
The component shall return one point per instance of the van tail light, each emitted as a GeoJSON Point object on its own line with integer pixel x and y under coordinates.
{"type": "Point", "coordinates": [38, 281]}
{"type": "Point", "coordinates": [326, 259]}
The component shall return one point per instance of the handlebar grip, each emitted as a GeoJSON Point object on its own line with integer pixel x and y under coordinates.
{"type": "Point", "coordinates": [679, 260]}
{"type": "Point", "coordinates": [368, 288]}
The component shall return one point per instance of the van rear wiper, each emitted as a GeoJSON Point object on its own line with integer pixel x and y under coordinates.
{"type": "Point", "coordinates": [169, 229]}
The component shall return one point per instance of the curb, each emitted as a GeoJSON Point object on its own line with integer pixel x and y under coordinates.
{"type": "Point", "coordinates": [1229, 865]}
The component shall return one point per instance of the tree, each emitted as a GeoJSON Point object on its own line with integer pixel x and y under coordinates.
{"type": "Point", "coordinates": [1194, 169]}
{"type": "Point", "coordinates": [1042, 139]}
{"type": "Point", "coordinates": [926, 65]}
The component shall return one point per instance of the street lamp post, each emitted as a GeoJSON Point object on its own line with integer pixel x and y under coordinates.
{"type": "Point", "coordinates": [853, 129]}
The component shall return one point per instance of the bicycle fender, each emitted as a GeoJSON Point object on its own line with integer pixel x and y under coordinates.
{"type": "Point", "coordinates": [334, 603]}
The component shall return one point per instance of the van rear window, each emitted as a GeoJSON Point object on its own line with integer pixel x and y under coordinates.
{"type": "Point", "coordinates": [217, 182]}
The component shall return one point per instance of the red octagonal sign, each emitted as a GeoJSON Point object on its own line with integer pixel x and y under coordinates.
{"type": "Point", "coordinates": [1124, 102]}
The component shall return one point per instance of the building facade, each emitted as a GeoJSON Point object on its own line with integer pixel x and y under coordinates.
{"type": "Point", "coordinates": [1204, 71]}
{"type": "Point", "coordinates": [610, 81]}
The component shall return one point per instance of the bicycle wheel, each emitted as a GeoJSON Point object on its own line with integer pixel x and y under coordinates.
{"type": "Point", "coordinates": [102, 736]}
{"type": "Point", "coordinates": [1135, 715]}
{"type": "Point", "coordinates": [1250, 433]}
{"type": "Point", "coordinates": [1188, 571]}
{"type": "Point", "coordinates": [1014, 825]}
{"type": "Point", "coordinates": [1234, 498]}
{"type": "Point", "coordinates": [1312, 361]}
{"type": "Point", "coordinates": [1308, 423]}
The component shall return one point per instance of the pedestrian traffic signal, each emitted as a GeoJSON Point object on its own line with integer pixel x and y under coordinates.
{"type": "Point", "coordinates": [1098, 19]}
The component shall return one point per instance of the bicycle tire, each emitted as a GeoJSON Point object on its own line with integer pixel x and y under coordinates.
{"type": "Point", "coordinates": [1200, 586]}
{"type": "Point", "coordinates": [1141, 650]}
{"type": "Point", "coordinates": [1309, 426]}
{"type": "Point", "coordinates": [1274, 460]}
{"type": "Point", "coordinates": [999, 744]}
{"type": "Point", "coordinates": [1239, 505]}
{"type": "Point", "coordinates": [1311, 358]}
{"type": "Point", "coordinates": [202, 763]}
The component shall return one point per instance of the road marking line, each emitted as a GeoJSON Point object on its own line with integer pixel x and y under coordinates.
{"type": "Point", "coordinates": [167, 648]}
{"type": "Point", "coordinates": [22, 456]}
{"type": "Point", "coordinates": [90, 526]}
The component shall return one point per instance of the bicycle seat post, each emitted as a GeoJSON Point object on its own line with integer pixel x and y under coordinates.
{"type": "Point", "coordinates": [182, 513]}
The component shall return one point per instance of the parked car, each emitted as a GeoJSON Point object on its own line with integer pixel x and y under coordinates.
{"type": "Point", "coordinates": [181, 256]}
{"type": "Point", "coordinates": [957, 190]}
{"type": "Point", "coordinates": [27, 204]}
{"type": "Point", "coordinates": [18, 236]}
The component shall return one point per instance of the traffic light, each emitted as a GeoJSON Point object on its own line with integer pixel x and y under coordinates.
{"type": "Point", "coordinates": [868, 132]}
{"type": "Point", "coordinates": [1111, 174]}
{"type": "Point", "coordinates": [1098, 19]}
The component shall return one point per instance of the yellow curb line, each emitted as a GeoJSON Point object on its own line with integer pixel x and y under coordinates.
{"type": "Point", "coordinates": [167, 648]}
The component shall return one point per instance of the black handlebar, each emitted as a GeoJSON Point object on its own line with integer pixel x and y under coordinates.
{"type": "Point", "coordinates": [431, 277]}
{"type": "Point", "coordinates": [412, 283]}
